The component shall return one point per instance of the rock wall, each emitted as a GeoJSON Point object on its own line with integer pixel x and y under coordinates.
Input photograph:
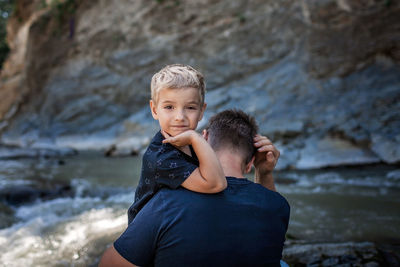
{"type": "Point", "coordinates": [321, 77]}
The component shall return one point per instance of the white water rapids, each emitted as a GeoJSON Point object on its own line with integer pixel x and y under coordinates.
{"type": "Point", "coordinates": [63, 231]}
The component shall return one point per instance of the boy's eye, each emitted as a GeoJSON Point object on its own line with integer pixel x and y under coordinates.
{"type": "Point", "coordinates": [192, 107]}
{"type": "Point", "coordinates": [168, 107]}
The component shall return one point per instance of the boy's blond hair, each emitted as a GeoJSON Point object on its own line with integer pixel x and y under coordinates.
{"type": "Point", "coordinates": [177, 76]}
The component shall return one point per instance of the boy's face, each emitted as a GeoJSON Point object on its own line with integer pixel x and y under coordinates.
{"type": "Point", "coordinates": [177, 110]}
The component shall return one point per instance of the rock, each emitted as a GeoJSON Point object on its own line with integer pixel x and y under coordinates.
{"type": "Point", "coordinates": [6, 216]}
{"type": "Point", "coordinates": [388, 150]}
{"type": "Point", "coordinates": [393, 175]}
{"type": "Point", "coordinates": [372, 264]}
{"type": "Point", "coordinates": [124, 149]}
{"type": "Point", "coordinates": [332, 152]}
{"type": "Point", "coordinates": [302, 68]}
{"type": "Point", "coordinates": [332, 254]}
{"type": "Point", "coordinates": [22, 194]}
{"type": "Point", "coordinates": [96, 142]}
{"type": "Point", "coordinates": [349, 259]}
{"type": "Point", "coordinates": [110, 151]}
{"type": "Point", "coordinates": [288, 157]}
{"type": "Point", "coordinates": [391, 253]}
{"type": "Point", "coordinates": [331, 262]}
{"type": "Point", "coordinates": [19, 194]}
{"type": "Point", "coordinates": [12, 152]}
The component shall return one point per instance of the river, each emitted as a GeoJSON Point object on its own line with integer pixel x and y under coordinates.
{"type": "Point", "coordinates": [73, 226]}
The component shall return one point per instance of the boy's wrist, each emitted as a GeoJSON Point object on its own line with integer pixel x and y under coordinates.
{"type": "Point", "coordinates": [263, 171]}
{"type": "Point", "coordinates": [193, 136]}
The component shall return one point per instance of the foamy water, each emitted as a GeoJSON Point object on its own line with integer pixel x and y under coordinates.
{"type": "Point", "coordinates": [63, 232]}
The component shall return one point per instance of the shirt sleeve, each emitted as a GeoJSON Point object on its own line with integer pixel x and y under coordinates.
{"type": "Point", "coordinates": [173, 167]}
{"type": "Point", "coordinates": [286, 214]}
{"type": "Point", "coordinates": [138, 243]}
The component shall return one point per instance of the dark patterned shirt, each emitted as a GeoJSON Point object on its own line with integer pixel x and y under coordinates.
{"type": "Point", "coordinates": [163, 165]}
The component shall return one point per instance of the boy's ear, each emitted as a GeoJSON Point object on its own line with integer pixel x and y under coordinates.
{"type": "Point", "coordinates": [203, 108]}
{"type": "Point", "coordinates": [153, 109]}
{"type": "Point", "coordinates": [249, 165]}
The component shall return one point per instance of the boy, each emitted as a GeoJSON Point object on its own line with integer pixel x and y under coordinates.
{"type": "Point", "coordinates": [177, 155]}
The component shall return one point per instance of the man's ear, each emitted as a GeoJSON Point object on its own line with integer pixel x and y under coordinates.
{"type": "Point", "coordinates": [249, 165]}
{"type": "Point", "coordinates": [153, 109]}
{"type": "Point", "coordinates": [203, 108]}
{"type": "Point", "coordinates": [205, 134]}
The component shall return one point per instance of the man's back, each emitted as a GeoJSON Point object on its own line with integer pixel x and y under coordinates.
{"type": "Point", "coordinates": [244, 225]}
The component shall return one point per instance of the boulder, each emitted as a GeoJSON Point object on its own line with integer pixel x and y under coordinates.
{"type": "Point", "coordinates": [330, 152]}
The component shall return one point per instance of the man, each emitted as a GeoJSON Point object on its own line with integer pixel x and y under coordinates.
{"type": "Point", "coordinates": [244, 225]}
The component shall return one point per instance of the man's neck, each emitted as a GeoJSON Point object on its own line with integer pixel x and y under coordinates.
{"type": "Point", "coordinates": [231, 163]}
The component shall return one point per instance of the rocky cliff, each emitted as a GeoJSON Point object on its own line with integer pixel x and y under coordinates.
{"type": "Point", "coordinates": [321, 77]}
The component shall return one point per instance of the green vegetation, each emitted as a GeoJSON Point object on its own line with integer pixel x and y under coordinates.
{"type": "Point", "coordinates": [241, 17]}
{"type": "Point", "coordinates": [6, 8]}
{"type": "Point", "coordinates": [62, 12]}
{"type": "Point", "coordinates": [61, 9]}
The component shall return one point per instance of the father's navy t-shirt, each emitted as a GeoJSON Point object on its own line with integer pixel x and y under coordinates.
{"type": "Point", "coordinates": [163, 165]}
{"type": "Point", "coordinates": [244, 225]}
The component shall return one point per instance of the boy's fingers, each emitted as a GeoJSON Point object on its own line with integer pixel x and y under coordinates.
{"type": "Point", "coordinates": [270, 148]}
{"type": "Point", "coordinates": [168, 140]}
{"type": "Point", "coordinates": [266, 148]}
{"type": "Point", "coordinates": [165, 134]}
{"type": "Point", "coordinates": [258, 138]}
{"type": "Point", "coordinates": [262, 143]}
{"type": "Point", "coordinates": [262, 140]}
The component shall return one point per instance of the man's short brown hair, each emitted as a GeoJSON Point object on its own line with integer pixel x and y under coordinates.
{"type": "Point", "coordinates": [233, 129]}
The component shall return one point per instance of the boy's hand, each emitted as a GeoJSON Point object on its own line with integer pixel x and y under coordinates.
{"type": "Point", "coordinates": [181, 139]}
{"type": "Point", "coordinates": [266, 156]}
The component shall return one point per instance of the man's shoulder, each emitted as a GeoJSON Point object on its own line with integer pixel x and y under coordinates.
{"type": "Point", "coordinates": [181, 197]}
{"type": "Point", "coordinates": [249, 190]}
{"type": "Point", "coordinates": [167, 200]}
{"type": "Point", "coordinates": [269, 192]}
{"type": "Point", "coordinates": [269, 196]}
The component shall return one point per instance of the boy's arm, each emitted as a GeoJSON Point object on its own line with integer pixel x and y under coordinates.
{"type": "Point", "coordinates": [209, 176]}
{"type": "Point", "coordinates": [265, 161]}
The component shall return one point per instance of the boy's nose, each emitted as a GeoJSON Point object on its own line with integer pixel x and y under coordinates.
{"type": "Point", "coordinates": [179, 115]}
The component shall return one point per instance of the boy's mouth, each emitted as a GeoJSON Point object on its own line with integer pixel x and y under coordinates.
{"type": "Point", "coordinates": [179, 128]}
